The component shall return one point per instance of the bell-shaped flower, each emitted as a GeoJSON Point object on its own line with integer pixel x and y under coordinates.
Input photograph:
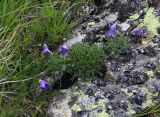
{"type": "Point", "coordinates": [64, 50]}
{"type": "Point", "coordinates": [112, 32]}
{"type": "Point", "coordinates": [46, 49]}
{"type": "Point", "coordinates": [43, 85]}
{"type": "Point", "coordinates": [138, 32]}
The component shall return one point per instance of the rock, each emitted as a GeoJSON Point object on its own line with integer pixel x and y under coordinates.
{"type": "Point", "coordinates": [125, 11]}
{"type": "Point", "coordinates": [153, 3]}
{"type": "Point", "coordinates": [60, 108]}
{"type": "Point", "coordinates": [109, 95]}
{"type": "Point", "coordinates": [150, 66]}
{"type": "Point", "coordinates": [156, 12]}
{"type": "Point", "coordinates": [83, 114]}
{"type": "Point", "coordinates": [138, 98]}
{"type": "Point", "coordinates": [147, 51]}
{"type": "Point", "coordinates": [124, 26]}
{"type": "Point", "coordinates": [93, 114]}
{"type": "Point", "coordinates": [156, 39]}
{"type": "Point", "coordinates": [132, 78]}
{"type": "Point", "coordinates": [157, 72]}
{"type": "Point", "coordinates": [97, 2]}
{"type": "Point", "coordinates": [90, 92]}
{"type": "Point", "coordinates": [99, 82]}
{"type": "Point", "coordinates": [158, 30]}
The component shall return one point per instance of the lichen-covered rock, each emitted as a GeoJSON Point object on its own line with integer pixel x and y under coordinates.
{"type": "Point", "coordinates": [60, 108]}
{"type": "Point", "coordinates": [131, 79]}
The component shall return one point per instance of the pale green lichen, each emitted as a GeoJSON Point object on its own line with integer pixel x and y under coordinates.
{"type": "Point", "coordinates": [103, 114]}
{"type": "Point", "coordinates": [151, 22]}
{"type": "Point", "coordinates": [150, 74]}
{"type": "Point", "coordinates": [133, 17]}
{"type": "Point", "coordinates": [100, 104]}
{"type": "Point", "coordinates": [148, 101]}
{"type": "Point", "coordinates": [126, 92]}
{"type": "Point", "coordinates": [136, 15]}
{"type": "Point", "coordinates": [91, 106]}
{"type": "Point", "coordinates": [76, 108]}
{"type": "Point", "coordinates": [130, 111]}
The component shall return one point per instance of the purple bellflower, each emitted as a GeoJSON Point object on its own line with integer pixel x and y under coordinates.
{"type": "Point", "coordinates": [138, 32]}
{"type": "Point", "coordinates": [46, 49]}
{"type": "Point", "coordinates": [113, 30]}
{"type": "Point", "coordinates": [44, 86]}
{"type": "Point", "coordinates": [64, 50]}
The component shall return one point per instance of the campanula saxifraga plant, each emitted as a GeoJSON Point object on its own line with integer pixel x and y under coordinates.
{"type": "Point", "coordinates": [116, 45]}
{"type": "Point", "coordinates": [85, 60]}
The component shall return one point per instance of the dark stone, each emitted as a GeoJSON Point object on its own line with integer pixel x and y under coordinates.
{"type": "Point", "coordinates": [134, 78]}
{"type": "Point", "coordinates": [97, 98]}
{"type": "Point", "coordinates": [153, 3]}
{"type": "Point", "coordinates": [73, 100]}
{"type": "Point", "coordinates": [96, 19]}
{"type": "Point", "coordinates": [157, 74]}
{"type": "Point", "coordinates": [83, 113]}
{"type": "Point", "coordinates": [109, 95]}
{"type": "Point", "coordinates": [97, 2]}
{"type": "Point", "coordinates": [115, 6]}
{"type": "Point", "coordinates": [147, 51]}
{"type": "Point", "coordinates": [156, 12]}
{"type": "Point", "coordinates": [89, 92]}
{"type": "Point", "coordinates": [156, 39]}
{"type": "Point", "coordinates": [83, 27]}
{"type": "Point", "coordinates": [158, 30]}
{"type": "Point", "coordinates": [99, 110]}
{"type": "Point", "coordinates": [150, 66]}
{"type": "Point", "coordinates": [91, 36]}
{"type": "Point", "coordinates": [125, 11]}
{"type": "Point", "coordinates": [64, 82]}
{"type": "Point", "coordinates": [138, 98]}
{"type": "Point", "coordinates": [110, 106]}
{"type": "Point", "coordinates": [138, 109]}
{"type": "Point", "coordinates": [123, 104]}
{"type": "Point", "coordinates": [99, 82]}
